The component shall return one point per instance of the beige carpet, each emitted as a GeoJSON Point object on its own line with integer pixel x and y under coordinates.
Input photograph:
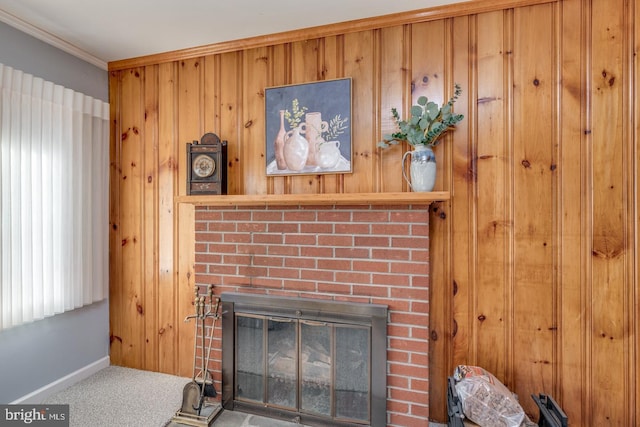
{"type": "Point", "coordinates": [117, 396]}
{"type": "Point", "coordinates": [124, 397]}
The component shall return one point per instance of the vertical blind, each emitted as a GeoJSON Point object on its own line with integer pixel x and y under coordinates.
{"type": "Point", "coordinates": [54, 154]}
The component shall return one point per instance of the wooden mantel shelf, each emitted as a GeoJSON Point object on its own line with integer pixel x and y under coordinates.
{"type": "Point", "coordinates": [404, 198]}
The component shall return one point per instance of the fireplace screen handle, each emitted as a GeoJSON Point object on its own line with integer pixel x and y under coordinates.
{"type": "Point", "coordinates": [313, 323]}
{"type": "Point", "coordinates": [282, 319]}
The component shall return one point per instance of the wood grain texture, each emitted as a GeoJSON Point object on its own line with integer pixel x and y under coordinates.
{"type": "Point", "coordinates": [324, 199]}
{"type": "Point", "coordinates": [132, 331]}
{"type": "Point", "coordinates": [450, 235]}
{"type": "Point", "coordinates": [332, 67]}
{"type": "Point", "coordinates": [573, 199]}
{"type": "Point", "coordinates": [534, 210]}
{"type": "Point", "coordinates": [115, 248]}
{"type": "Point", "coordinates": [491, 285]}
{"type": "Point", "coordinates": [534, 243]}
{"type": "Point", "coordinates": [167, 186]}
{"type": "Point", "coordinates": [609, 147]}
{"type": "Point", "coordinates": [392, 91]}
{"type": "Point", "coordinates": [150, 229]}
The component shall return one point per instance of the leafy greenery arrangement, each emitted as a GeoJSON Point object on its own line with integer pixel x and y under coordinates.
{"type": "Point", "coordinates": [427, 124]}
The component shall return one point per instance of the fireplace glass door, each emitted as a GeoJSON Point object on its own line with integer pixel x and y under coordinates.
{"type": "Point", "coordinates": [308, 361]}
{"type": "Point", "coordinates": [318, 368]}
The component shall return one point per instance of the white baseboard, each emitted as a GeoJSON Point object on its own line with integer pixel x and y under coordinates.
{"type": "Point", "coordinates": [42, 393]}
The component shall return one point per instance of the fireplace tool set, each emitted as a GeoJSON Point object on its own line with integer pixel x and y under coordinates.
{"type": "Point", "coordinates": [196, 410]}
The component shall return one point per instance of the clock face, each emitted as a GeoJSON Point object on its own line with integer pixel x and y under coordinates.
{"type": "Point", "coordinates": [203, 166]}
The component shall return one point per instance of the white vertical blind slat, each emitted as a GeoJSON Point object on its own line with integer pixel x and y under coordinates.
{"type": "Point", "coordinates": [36, 156]}
{"type": "Point", "coordinates": [57, 305]}
{"type": "Point", "coordinates": [5, 196]}
{"type": "Point", "coordinates": [25, 238]}
{"type": "Point", "coordinates": [47, 197]}
{"type": "Point", "coordinates": [54, 198]}
{"type": "Point", "coordinates": [15, 200]}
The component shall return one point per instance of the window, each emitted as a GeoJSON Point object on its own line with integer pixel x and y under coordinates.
{"type": "Point", "coordinates": [54, 156]}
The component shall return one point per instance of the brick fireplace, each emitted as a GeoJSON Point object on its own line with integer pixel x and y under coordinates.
{"type": "Point", "coordinates": [369, 254]}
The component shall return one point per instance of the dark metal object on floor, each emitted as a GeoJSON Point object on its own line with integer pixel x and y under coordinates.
{"type": "Point", "coordinates": [454, 407]}
{"type": "Point", "coordinates": [551, 415]}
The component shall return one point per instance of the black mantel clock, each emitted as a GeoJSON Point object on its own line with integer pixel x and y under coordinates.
{"type": "Point", "coordinates": [207, 165]}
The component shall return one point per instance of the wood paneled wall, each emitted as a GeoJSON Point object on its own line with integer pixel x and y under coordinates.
{"type": "Point", "coordinates": [534, 260]}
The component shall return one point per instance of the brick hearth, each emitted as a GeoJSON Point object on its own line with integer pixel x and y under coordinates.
{"type": "Point", "coordinates": [370, 254]}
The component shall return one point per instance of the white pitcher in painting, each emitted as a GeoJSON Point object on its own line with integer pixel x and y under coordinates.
{"type": "Point", "coordinates": [296, 150]}
{"type": "Point", "coordinates": [328, 154]}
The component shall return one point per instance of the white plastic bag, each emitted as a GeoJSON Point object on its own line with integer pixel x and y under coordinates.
{"type": "Point", "coordinates": [485, 400]}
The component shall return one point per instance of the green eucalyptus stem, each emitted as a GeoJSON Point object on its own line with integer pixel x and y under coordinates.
{"type": "Point", "coordinates": [427, 124]}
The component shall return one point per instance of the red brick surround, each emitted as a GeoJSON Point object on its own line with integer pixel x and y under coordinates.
{"type": "Point", "coordinates": [371, 254]}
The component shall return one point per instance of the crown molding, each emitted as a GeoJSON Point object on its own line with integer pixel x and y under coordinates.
{"type": "Point", "coordinates": [50, 39]}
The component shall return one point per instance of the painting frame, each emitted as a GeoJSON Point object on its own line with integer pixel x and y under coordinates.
{"type": "Point", "coordinates": [313, 114]}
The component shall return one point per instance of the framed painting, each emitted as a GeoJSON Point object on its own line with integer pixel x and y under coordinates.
{"type": "Point", "coordinates": [308, 128]}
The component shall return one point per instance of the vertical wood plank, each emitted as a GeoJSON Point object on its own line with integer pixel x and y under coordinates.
{"type": "Point", "coordinates": [189, 124]}
{"type": "Point", "coordinates": [185, 243]}
{"type": "Point", "coordinates": [572, 211]}
{"type": "Point", "coordinates": [631, 294]}
{"type": "Point", "coordinates": [230, 120]}
{"type": "Point", "coordinates": [116, 313]}
{"type": "Point", "coordinates": [427, 65]}
{"type": "Point", "coordinates": [494, 222]}
{"type": "Point", "coordinates": [359, 64]}
{"type": "Point", "coordinates": [449, 231]}
{"type": "Point", "coordinates": [393, 81]}
{"type": "Point", "coordinates": [168, 187]}
{"type": "Point", "coordinates": [429, 76]}
{"type": "Point", "coordinates": [304, 61]}
{"type": "Point", "coordinates": [534, 166]}
{"type": "Point", "coordinates": [252, 136]}
{"type": "Point", "coordinates": [149, 238]}
{"type": "Point", "coordinates": [189, 111]}
{"type": "Point", "coordinates": [464, 183]}
{"type": "Point", "coordinates": [440, 272]}
{"type": "Point", "coordinates": [634, 269]}
{"type": "Point", "coordinates": [132, 332]}
{"type": "Point", "coordinates": [331, 64]}
{"type": "Point", "coordinates": [211, 78]}
{"type": "Point", "coordinates": [211, 107]}
{"type": "Point", "coordinates": [608, 299]}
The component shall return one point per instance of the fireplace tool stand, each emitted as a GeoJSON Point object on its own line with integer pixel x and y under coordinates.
{"type": "Point", "coordinates": [196, 410]}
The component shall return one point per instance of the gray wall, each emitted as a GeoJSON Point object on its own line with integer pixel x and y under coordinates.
{"type": "Point", "coordinates": [37, 354]}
